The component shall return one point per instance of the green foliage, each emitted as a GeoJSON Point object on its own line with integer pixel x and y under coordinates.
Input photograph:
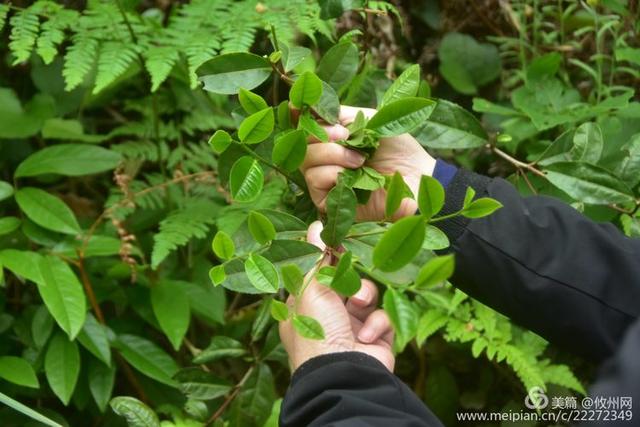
{"type": "Point", "coordinates": [109, 193]}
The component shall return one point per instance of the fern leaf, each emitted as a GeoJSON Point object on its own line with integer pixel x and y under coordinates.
{"type": "Point", "coordinates": [159, 63]}
{"type": "Point", "coordinates": [561, 375]}
{"type": "Point", "coordinates": [53, 33]}
{"type": "Point", "coordinates": [524, 367]}
{"type": "Point", "coordinates": [24, 32]}
{"type": "Point", "coordinates": [79, 60]}
{"type": "Point", "coordinates": [4, 10]}
{"type": "Point", "coordinates": [115, 58]}
{"type": "Point", "coordinates": [180, 227]}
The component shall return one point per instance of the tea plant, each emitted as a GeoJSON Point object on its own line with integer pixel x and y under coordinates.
{"type": "Point", "coordinates": [149, 228]}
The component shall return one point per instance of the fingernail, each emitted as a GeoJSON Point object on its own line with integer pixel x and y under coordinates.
{"type": "Point", "coordinates": [363, 295]}
{"type": "Point", "coordinates": [365, 335]}
{"type": "Point", "coordinates": [355, 158]}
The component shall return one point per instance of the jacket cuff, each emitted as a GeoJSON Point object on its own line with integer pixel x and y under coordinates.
{"type": "Point", "coordinates": [315, 363]}
{"type": "Point", "coordinates": [454, 198]}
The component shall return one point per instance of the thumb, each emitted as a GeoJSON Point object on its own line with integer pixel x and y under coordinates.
{"type": "Point", "coordinates": [313, 235]}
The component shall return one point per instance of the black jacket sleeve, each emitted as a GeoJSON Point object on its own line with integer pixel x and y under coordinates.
{"type": "Point", "coordinates": [546, 266]}
{"type": "Point", "coordinates": [351, 389]}
{"type": "Point", "coordinates": [536, 260]}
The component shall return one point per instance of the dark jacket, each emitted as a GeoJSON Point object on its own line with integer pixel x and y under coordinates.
{"type": "Point", "coordinates": [536, 260]}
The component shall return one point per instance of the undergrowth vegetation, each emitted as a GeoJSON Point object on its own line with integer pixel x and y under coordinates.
{"type": "Point", "coordinates": [152, 214]}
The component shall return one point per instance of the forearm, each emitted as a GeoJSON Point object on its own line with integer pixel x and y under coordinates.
{"type": "Point", "coordinates": [545, 265]}
{"type": "Point", "coordinates": [349, 389]}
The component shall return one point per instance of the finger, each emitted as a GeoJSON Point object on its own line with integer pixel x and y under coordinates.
{"type": "Point", "coordinates": [348, 113]}
{"type": "Point", "coordinates": [320, 180]}
{"type": "Point", "coordinates": [336, 132]}
{"type": "Point", "coordinates": [331, 153]}
{"type": "Point", "coordinates": [376, 326]}
{"type": "Point", "coordinates": [364, 302]}
{"type": "Point", "coordinates": [313, 235]}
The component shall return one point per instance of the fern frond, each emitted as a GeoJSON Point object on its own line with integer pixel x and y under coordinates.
{"type": "Point", "coordinates": [115, 58]}
{"type": "Point", "coordinates": [561, 375]}
{"type": "Point", "coordinates": [79, 60]}
{"type": "Point", "coordinates": [159, 61]}
{"type": "Point", "coordinates": [524, 367]}
{"type": "Point", "coordinates": [4, 10]}
{"type": "Point", "coordinates": [52, 33]}
{"type": "Point", "coordinates": [191, 222]}
{"type": "Point", "coordinates": [142, 150]}
{"type": "Point", "coordinates": [25, 25]}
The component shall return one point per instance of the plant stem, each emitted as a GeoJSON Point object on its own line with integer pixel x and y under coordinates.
{"type": "Point", "coordinates": [229, 399]}
{"type": "Point", "coordinates": [283, 172]}
{"type": "Point", "coordinates": [517, 163]}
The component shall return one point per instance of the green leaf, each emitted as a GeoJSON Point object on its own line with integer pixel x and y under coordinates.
{"type": "Point", "coordinates": [101, 380]}
{"type": "Point", "coordinates": [251, 103]}
{"type": "Point", "coordinates": [205, 301]}
{"type": "Point", "coordinates": [171, 307]}
{"type": "Point", "coordinates": [221, 347]}
{"type": "Point", "coordinates": [401, 116]}
{"type": "Point", "coordinates": [405, 86]}
{"type": "Point", "coordinates": [217, 275]}
{"type": "Point", "coordinates": [292, 278]}
{"type": "Point", "coordinates": [46, 210]}
{"type": "Point", "coordinates": [346, 280]}
{"type": "Point", "coordinates": [289, 150]}
{"type": "Point", "coordinates": [148, 358]}
{"type": "Point", "coordinates": [399, 244]}
{"type": "Point", "coordinates": [18, 371]}
{"type": "Point", "coordinates": [588, 183]}
{"type": "Point", "coordinates": [587, 143]}
{"type": "Point", "coordinates": [396, 192]}
{"type": "Point", "coordinates": [257, 127]}
{"type": "Point", "coordinates": [339, 65]}
{"type": "Point", "coordinates": [306, 90]}
{"type": "Point", "coordinates": [246, 179]}
{"type": "Point", "coordinates": [69, 130]}
{"type": "Point", "coordinates": [279, 310]}
{"type": "Point", "coordinates": [280, 252]}
{"type": "Point", "coordinates": [451, 126]}
{"type": "Point", "coordinates": [328, 107]}
{"type": "Point", "coordinates": [41, 326]}
{"type": "Point", "coordinates": [68, 160]}
{"type": "Point", "coordinates": [14, 404]}
{"type": "Point", "coordinates": [429, 323]}
{"type": "Point", "coordinates": [223, 246]}
{"type": "Point", "coordinates": [220, 141]}
{"type": "Point", "coordinates": [341, 213]}
{"type": "Point", "coordinates": [62, 293]}
{"type": "Point", "coordinates": [261, 273]}
{"type": "Point", "coordinates": [93, 337]}
{"type": "Point", "coordinates": [226, 74]}
{"type": "Point", "coordinates": [402, 315]}
{"type": "Point", "coordinates": [430, 196]}
{"type": "Point", "coordinates": [200, 385]}
{"type": "Point", "coordinates": [293, 55]}
{"type": "Point", "coordinates": [62, 367]}
{"type": "Point", "coordinates": [261, 228]}
{"type": "Point", "coordinates": [630, 165]}
{"type": "Point", "coordinates": [9, 224]}
{"type": "Point", "coordinates": [22, 263]}
{"type": "Point", "coordinates": [307, 123]}
{"type": "Point", "coordinates": [308, 327]}
{"type": "Point", "coordinates": [134, 411]}
{"type": "Point", "coordinates": [6, 190]}
{"type": "Point", "coordinates": [481, 207]}
{"type": "Point", "coordinates": [467, 64]}
{"type": "Point", "coordinates": [629, 54]}
{"type": "Point", "coordinates": [435, 271]}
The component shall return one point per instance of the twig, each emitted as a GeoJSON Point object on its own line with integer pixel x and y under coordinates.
{"type": "Point", "coordinates": [515, 162]}
{"type": "Point", "coordinates": [273, 166]}
{"type": "Point", "coordinates": [86, 283]}
{"type": "Point", "coordinates": [230, 397]}
{"type": "Point", "coordinates": [131, 377]}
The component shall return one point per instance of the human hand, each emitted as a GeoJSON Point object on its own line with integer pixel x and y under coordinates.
{"type": "Point", "coordinates": [354, 325]}
{"type": "Point", "coordinates": [403, 154]}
